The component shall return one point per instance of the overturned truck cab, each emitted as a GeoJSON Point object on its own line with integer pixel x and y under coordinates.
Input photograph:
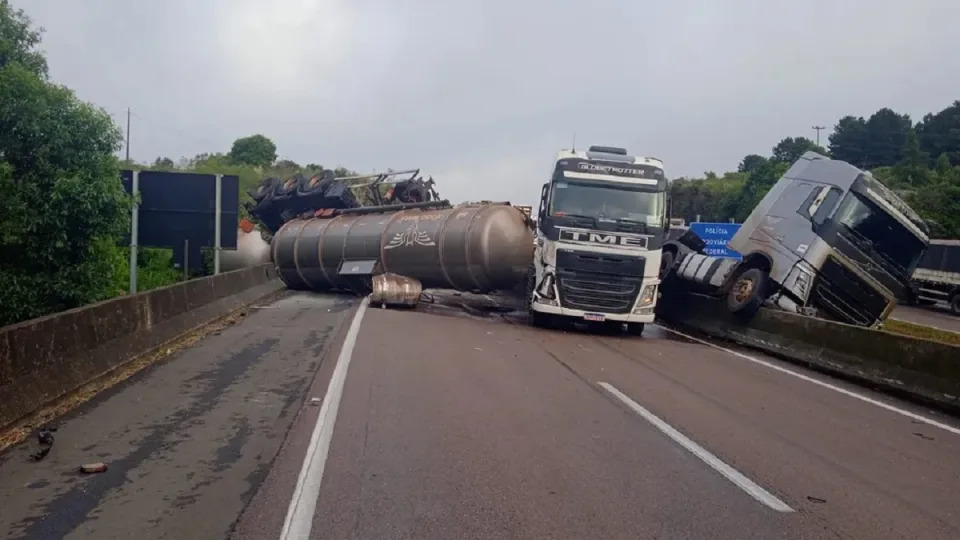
{"type": "Point", "coordinates": [827, 240]}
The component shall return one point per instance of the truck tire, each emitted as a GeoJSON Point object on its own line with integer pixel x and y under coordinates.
{"type": "Point", "coordinates": [955, 303]}
{"type": "Point", "coordinates": [635, 328]}
{"type": "Point", "coordinates": [666, 263]}
{"type": "Point", "coordinates": [746, 294]}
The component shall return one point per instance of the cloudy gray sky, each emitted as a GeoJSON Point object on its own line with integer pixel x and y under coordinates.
{"type": "Point", "coordinates": [482, 93]}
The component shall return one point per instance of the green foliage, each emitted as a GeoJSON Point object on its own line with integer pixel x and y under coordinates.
{"type": "Point", "coordinates": [790, 149]}
{"type": "Point", "coordinates": [19, 41]}
{"type": "Point", "coordinates": [254, 150]}
{"type": "Point", "coordinates": [64, 206]}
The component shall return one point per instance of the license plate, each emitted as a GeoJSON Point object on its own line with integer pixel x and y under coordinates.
{"type": "Point", "coordinates": [594, 316]}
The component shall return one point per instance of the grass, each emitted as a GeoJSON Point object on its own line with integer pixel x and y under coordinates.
{"type": "Point", "coordinates": [895, 326]}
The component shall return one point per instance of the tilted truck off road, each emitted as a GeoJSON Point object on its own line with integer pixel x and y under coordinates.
{"type": "Point", "coordinates": [828, 240]}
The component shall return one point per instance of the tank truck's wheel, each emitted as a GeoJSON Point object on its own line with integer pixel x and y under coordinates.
{"type": "Point", "coordinates": [635, 328]}
{"type": "Point", "coordinates": [746, 295]}
{"type": "Point", "coordinates": [955, 303]}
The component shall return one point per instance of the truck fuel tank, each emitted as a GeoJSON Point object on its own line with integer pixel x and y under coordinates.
{"type": "Point", "coordinates": [483, 247]}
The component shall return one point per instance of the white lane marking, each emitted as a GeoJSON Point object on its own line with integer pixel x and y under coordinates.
{"type": "Point", "coordinates": [304, 502]}
{"type": "Point", "coordinates": [763, 496]}
{"type": "Point", "coordinates": [844, 391]}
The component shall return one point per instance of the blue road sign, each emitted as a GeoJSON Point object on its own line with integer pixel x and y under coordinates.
{"type": "Point", "coordinates": [716, 235]}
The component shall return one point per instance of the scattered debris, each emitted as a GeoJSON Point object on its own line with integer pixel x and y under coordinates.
{"type": "Point", "coordinates": [922, 436]}
{"type": "Point", "coordinates": [817, 500]}
{"type": "Point", "coordinates": [315, 401]}
{"type": "Point", "coordinates": [45, 438]}
{"type": "Point", "coordinates": [93, 468]}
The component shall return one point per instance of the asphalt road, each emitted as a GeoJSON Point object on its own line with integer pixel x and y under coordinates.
{"type": "Point", "coordinates": [435, 424]}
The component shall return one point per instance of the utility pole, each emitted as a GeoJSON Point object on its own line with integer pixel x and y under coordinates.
{"type": "Point", "coordinates": [818, 128]}
{"type": "Point", "coordinates": [128, 134]}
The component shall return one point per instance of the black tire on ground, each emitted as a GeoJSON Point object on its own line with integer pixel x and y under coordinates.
{"type": "Point", "coordinates": [635, 328]}
{"type": "Point", "coordinates": [955, 303]}
{"type": "Point", "coordinates": [746, 294]}
{"type": "Point", "coordinates": [543, 320]}
{"type": "Point", "coordinates": [666, 263]}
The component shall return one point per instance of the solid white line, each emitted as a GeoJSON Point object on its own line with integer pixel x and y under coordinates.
{"type": "Point", "coordinates": [304, 502]}
{"type": "Point", "coordinates": [763, 496]}
{"type": "Point", "coordinates": [844, 391]}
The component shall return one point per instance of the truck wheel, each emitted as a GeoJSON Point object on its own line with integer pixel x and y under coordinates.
{"type": "Point", "coordinates": [955, 303]}
{"type": "Point", "coordinates": [543, 320]}
{"type": "Point", "coordinates": [746, 295]}
{"type": "Point", "coordinates": [635, 328]}
{"type": "Point", "coordinates": [666, 263]}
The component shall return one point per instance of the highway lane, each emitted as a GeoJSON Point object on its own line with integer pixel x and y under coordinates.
{"type": "Point", "coordinates": [187, 441]}
{"type": "Point", "coordinates": [450, 427]}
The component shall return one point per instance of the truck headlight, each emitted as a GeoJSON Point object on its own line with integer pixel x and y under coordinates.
{"type": "Point", "coordinates": [545, 289]}
{"type": "Point", "coordinates": [801, 283]}
{"type": "Point", "coordinates": [647, 296]}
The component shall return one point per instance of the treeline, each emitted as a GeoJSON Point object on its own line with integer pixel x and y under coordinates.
{"type": "Point", "coordinates": [921, 162]}
{"type": "Point", "coordinates": [64, 211]}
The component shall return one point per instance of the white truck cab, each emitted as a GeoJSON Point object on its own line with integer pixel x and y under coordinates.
{"type": "Point", "coordinates": [601, 227]}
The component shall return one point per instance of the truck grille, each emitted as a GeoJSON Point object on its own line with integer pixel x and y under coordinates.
{"type": "Point", "coordinates": [599, 281]}
{"type": "Point", "coordinates": [597, 292]}
{"type": "Point", "coordinates": [845, 297]}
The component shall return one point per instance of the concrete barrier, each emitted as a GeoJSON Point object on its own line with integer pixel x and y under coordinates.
{"type": "Point", "coordinates": [48, 357]}
{"type": "Point", "coordinates": [924, 371]}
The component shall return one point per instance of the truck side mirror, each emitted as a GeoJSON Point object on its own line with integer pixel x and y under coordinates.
{"type": "Point", "coordinates": [543, 203]}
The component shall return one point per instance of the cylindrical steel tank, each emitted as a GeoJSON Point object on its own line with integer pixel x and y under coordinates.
{"type": "Point", "coordinates": [479, 247]}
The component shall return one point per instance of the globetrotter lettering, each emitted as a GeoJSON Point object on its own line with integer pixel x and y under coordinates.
{"type": "Point", "coordinates": [612, 169]}
{"type": "Point", "coordinates": [602, 238]}
{"type": "Point", "coordinates": [412, 236]}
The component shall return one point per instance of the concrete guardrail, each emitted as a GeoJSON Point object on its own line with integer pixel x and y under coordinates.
{"type": "Point", "coordinates": [921, 370]}
{"type": "Point", "coordinates": [48, 357]}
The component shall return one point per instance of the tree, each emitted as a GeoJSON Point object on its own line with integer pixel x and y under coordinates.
{"type": "Point", "coordinates": [886, 137]}
{"type": "Point", "coordinates": [287, 164]}
{"type": "Point", "coordinates": [164, 163]}
{"type": "Point", "coordinates": [848, 142]}
{"type": "Point", "coordinates": [18, 41]}
{"type": "Point", "coordinates": [64, 206]}
{"type": "Point", "coordinates": [254, 150]}
{"type": "Point", "coordinates": [940, 133]}
{"type": "Point", "coordinates": [790, 149]}
{"type": "Point", "coordinates": [751, 162]}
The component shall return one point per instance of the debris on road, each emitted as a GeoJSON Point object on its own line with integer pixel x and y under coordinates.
{"type": "Point", "coordinates": [45, 438]}
{"type": "Point", "coordinates": [93, 468]}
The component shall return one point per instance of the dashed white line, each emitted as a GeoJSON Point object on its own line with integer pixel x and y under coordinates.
{"type": "Point", "coordinates": [835, 388]}
{"type": "Point", "coordinates": [304, 501]}
{"type": "Point", "coordinates": [750, 487]}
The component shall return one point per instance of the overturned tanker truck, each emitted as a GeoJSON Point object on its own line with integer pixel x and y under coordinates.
{"type": "Point", "coordinates": [391, 235]}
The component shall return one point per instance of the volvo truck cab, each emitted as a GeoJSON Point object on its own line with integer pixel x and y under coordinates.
{"type": "Point", "coordinates": [600, 229]}
{"type": "Point", "coordinates": [827, 240]}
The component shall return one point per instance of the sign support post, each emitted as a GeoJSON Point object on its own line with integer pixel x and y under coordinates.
{"type": "Point", "coordinates": [134, 231]}
{"type": "Point", "coordinates": [216, 224]}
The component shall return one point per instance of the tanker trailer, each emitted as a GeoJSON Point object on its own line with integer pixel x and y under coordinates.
{"type": "Point", "coordinates": [476, 248]}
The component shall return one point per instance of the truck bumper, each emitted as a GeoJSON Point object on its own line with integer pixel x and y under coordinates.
{"type": "Point", "coordinates": [579, 314]}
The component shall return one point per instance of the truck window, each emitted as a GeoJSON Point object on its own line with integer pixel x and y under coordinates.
{"type": "Point", "coordinates": [820, 204]}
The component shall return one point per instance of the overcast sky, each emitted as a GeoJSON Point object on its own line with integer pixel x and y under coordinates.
{"type": "Point", "coordinates": [482, 93]}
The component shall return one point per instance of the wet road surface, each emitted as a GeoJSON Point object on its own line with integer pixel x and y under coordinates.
{"type": "Point", "coordinates": [457, 426]}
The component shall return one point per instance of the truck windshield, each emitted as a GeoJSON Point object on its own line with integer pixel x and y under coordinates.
{"type": "Point", "coordinates": [879, 233]}
{"type": "Point", "coordinates": [607, 201]}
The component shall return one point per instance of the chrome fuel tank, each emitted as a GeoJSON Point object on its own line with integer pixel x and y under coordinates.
{"type": "Point", "coordinates": [483, 247]}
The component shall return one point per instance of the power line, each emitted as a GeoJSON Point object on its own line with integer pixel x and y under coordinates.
{"type": "Point", "coordinates": [818, 128]}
